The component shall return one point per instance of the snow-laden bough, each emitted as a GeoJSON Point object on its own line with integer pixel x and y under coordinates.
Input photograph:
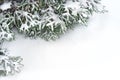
{"type": "Point", "coordinates": [47, 19]}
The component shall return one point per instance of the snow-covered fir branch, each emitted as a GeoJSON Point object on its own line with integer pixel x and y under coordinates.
{"type": "Point", "coordinates": [47, 19]}
{"type": "Point", "coordinates": [9, 65]}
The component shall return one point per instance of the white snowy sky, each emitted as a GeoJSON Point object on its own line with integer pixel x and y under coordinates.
{"type": "Point", "coordinates": [86, 53]}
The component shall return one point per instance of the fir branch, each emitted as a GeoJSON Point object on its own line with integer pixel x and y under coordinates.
{"type": "Point", "coordinates": [9, 65]}
{"type": "Point", "coordinates": [47, 19]}
{"type": "Point", "coordinates": [51, 18]}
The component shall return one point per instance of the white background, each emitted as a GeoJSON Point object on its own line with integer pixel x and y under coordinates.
{"type": "Point", "coordinates": [86, 53]}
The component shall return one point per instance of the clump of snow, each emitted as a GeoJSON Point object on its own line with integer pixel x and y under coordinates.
{"type": "Point", "coordinates": [5, 5]}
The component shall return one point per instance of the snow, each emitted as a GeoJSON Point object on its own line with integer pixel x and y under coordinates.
{"type": "Point", "coordinates": [86, 53]}
{"type": "Point", "coordinates": [5, 6]}
{"type": "Point", "coordinates": [74, 7]}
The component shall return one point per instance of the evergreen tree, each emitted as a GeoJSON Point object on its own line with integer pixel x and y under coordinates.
{"type": "Point", "coordinates": [47, 19]}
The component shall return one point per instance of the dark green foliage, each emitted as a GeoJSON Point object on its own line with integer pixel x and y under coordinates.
{"type": "Point", "coordinates": [47, 19]}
